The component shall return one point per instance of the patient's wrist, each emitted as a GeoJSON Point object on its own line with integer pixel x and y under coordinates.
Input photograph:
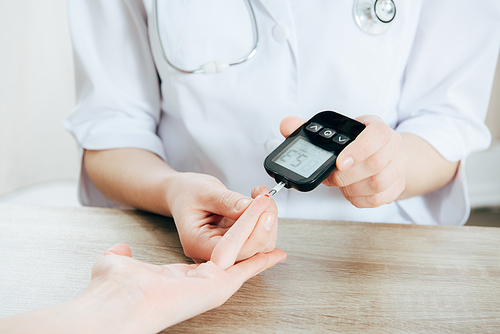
{"type": "Point", "coordinates": [105, 309]}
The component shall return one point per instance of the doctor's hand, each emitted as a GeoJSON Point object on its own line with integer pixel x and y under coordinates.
{"type": "Point", "coordinates": [129, 296]}
{"type": "Point", "coordinates": [204, 209]}
{"type": "Point", "coordinates": [371, 169]}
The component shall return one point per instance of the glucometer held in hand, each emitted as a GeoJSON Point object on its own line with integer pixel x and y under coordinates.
{"type": "Point", "coordinates": [307, 157]}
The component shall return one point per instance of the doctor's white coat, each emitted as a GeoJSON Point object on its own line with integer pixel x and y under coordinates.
{"type": "Point", "coordinates": [430, 75]}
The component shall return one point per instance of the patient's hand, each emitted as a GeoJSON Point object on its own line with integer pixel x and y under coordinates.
{"type": "Point", "coordinates": [128, 296]}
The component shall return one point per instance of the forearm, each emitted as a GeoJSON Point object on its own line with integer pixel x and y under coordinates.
{"type": "Point", "coordinates": [49, 320]}
{"type": "Point", "coordinates": [103, 310]}
{"type": "Point", "coordinates": [426, 169]}
{"type": "Point", "coordinates": [131, 177]}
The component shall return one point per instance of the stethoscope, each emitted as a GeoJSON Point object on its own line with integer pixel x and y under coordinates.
{"type": "Point", "coordinates": [371, 16]}
{"type": "Point", "coordinates": [374, 16]}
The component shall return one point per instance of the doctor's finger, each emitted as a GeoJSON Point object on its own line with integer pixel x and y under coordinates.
{"type": "Point", "coordinates": [377, 200]}
{"type": "Point", "coordinates": [223, 202]}
{"type": "Point", "coordinates": [289, 124]}
{"type": "Point", "coordinates": [377, 183]}
{"type": "Point", "coordinates": [372, 165]}
{"type": "Point", "coordinates": [376, 135]}
{"type": "Point", "coordinates": [227, 249]}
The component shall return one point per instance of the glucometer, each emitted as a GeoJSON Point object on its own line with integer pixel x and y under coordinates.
{"type": "Point", "coordinates": [307, 157]}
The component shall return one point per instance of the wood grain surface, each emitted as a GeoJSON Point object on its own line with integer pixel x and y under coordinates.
{"type": "Point", "coordinates": [339, 276]}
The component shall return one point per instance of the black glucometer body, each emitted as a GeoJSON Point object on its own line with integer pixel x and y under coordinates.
{"type": "Point", "coordinates": [307, 157]}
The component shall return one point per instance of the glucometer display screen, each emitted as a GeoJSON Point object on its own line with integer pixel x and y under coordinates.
{"type": "Point", "coordinates": [302, 157]}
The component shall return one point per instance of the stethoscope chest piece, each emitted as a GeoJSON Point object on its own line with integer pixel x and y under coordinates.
{"type": "Point", "coordinates": [374, 16]}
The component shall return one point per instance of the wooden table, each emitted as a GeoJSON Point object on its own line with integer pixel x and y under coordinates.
{"type": "Point", "coordinates": [339, 276]}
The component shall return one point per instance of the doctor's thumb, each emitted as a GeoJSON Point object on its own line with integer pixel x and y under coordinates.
{"type": "Point", "coordinates": [289, 124]}
{"type": "Point", "coordinates": [230, 204]}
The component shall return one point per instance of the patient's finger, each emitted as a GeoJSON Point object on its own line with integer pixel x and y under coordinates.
{"type": "Point", "coordinates": [119, 249]}
{"type": "Point", "coordinates": [244, 270]}
{"type": "Point", "coordinates": [227, 249]}
{"type": "Point", "coordinates": [265, 233]}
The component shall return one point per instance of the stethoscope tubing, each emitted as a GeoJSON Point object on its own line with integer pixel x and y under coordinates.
{"type": "Point", "coordinates": [245, 58]}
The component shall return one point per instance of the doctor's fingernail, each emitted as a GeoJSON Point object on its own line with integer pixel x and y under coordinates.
{"type": "Point", "coordinates": [242, 204]}
{"type": "Point", "coordinates": [269, 222]}
{"type": "Point", "coordinates": [346, 163]}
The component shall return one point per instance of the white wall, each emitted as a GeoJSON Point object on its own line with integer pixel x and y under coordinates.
{"type": "Point", "coordinates": [483, 168]}
{"type": "Point", "coordinates": [36, 92]}
{"type": "Point", "coordinates": [493, 117]}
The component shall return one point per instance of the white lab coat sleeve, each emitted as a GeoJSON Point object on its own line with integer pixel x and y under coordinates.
{"type": "Point", "coordinates": [445, 95]}
{"type": "Point", "coordinates": [117, 88]}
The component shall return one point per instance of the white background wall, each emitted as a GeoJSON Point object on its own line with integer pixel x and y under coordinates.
{"type": "Point", "coordinates": [493, 117]}
{"type": "Point", "coordinates": [37, 91]}
{"type": "Point", "coordinates": [483, 168]}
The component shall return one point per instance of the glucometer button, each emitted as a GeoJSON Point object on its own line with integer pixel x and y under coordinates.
{"type": "Point", "coordinates": [314, 127]}
{"type": "Point", "coordinates": [327, 133]}
{"type": "Point", "coordinates": [341, 139]}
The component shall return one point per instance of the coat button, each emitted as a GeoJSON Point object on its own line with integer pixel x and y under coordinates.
{"type": "Point", "coordinates": [280, 33]}
{"type": "Point", "coordinates": [271, 144]}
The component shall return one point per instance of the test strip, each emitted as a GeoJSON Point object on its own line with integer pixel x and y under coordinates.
{"type": "Point", "coordinates": [278, 187]}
